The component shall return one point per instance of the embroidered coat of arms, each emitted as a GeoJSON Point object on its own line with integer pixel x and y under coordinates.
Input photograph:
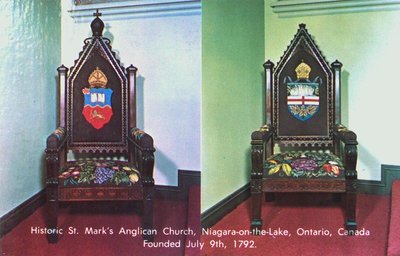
{"type": "Point", "coordinates": [97, 100]}
{"type": "Point", "coordinates": [303, 94]}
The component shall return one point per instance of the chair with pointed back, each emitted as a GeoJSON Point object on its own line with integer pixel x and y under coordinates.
{"type": "Point", "coordinates": [303, 147]}
{"type": "Point", "coordinates": [97, 153]}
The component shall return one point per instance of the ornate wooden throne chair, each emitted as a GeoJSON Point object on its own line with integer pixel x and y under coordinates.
{"type": "Point", "coordinates": [97, 153]}
{"type": "Point", "coordinates": [303, 147]}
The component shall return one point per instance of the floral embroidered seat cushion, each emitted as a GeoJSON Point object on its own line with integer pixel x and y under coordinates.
{"type": "Point", "coordinates": [308, 164]}
{"type": "Point", "coordinates": [98, 173]}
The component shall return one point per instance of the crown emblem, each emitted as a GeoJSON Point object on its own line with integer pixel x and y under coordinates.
{"type": "Point", "coordinates": [303, 71]}
{"type": "Point", "coordinates": [97, 78]}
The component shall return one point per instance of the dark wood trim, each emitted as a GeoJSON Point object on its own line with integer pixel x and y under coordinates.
{"type": "Point", "coordinates": [186, 179]}
{"type": "Point", "coordinates": [14, 217]}
{"type": "Point", "coordinates": [228, 204]}
{"type": "Point", "coordinates": [382, 187]}
{"type": "Point", "coordinates": [18, 214]}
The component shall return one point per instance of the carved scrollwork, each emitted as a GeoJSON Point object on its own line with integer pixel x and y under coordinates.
{"type": "Point", "coordinates": [148, 156]}
{"type": "Point", "coordinates": [309, 185]}
{"type": "Point", "coordinates": [257, 153]}
{"type": "Point", "coordinates": [75, 194]}
{"type": "Point", "coordinates": [147, 181]}
{"type": "Point", "coordinates": [351, 174]}
{"type": "Point", "coordinates": [256, 185]}
{"type": "Point", "coordinates": [350, 157]}
{"type": "Point", "coordinates": [52, 182]}
{"type": "Point", "coordinates": [52, 157]}
{"type": "Point", "coordinates": [313, 142]}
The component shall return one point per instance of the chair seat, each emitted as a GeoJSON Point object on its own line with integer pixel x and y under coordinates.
{"type": "Point", "coordinates": [308, 164]}
{"type": "Point", "coordinates": [99, 173]}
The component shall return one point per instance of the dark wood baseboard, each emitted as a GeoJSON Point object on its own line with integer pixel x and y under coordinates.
{"type": "Point", "coordinates": [383, 186]}
{"type": "Point", "coordinates": [218, 211]}
{"type": "Point", "coordinates": [18, 214]}
{"type": "Point", "coordinates": [14, 217]}
{"type": "Point", "coordinates": [186, 179]}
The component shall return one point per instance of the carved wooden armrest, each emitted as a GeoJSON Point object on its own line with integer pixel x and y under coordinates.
{"type": "Point", "coordinates": [258, 150]}
{"type": "Point", "coordinates": [142, 139]}
{"type": "Point", "coordinates": [56, 139]}
{"type": "Point", "coordinates": [54, 148]}
{"type": "Point", "coordinates": [262, 135]}
{"type": "Point", "coordinates": [345, 135]}
{"type": "Point", "coordinates": [349, 139]}
{"type": "Point", "coordinates": [141, 152]}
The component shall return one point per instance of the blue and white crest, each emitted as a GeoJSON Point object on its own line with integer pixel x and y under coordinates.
{"type": "Point", "coordinates": [303, 94]}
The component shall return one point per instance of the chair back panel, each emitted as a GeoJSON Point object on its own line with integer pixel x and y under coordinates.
{"type": "Point", "coordinates": [303, 95]}
{"type": "Point", "coordinates": [97, 100]}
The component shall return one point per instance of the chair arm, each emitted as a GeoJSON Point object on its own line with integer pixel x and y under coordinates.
{"type": "Point", "coordinates": [349, 138]}
{"type": "Point", "coordinates": [55, 149]}
{"type": "Point", "coordinates": [262, 135]}
{"type": "Point", "coordinates": [141, 152]}
{"type": "Point", "coordinates": [259, 140]}
{"type": "Point", "coordinates": [56, 139]}
{"type": "Point", "coordinates": [141, 139]}
{"type": "Point", "coordinates": [345, 135]}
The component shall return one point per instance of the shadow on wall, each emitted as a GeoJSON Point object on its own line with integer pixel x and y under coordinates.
{"type": "Point", "coordinates": [140, 102]}
{"type": "Point", "coordinates": [368, 160]}
{"type": "Point", "coordinates": [139, 83]}
{"type": "Point", "coordinates": [166, 166]}
{"type": "Point", "coordinates": [345, 97]}
{"type": "Point", "coordinates": [109, 35]}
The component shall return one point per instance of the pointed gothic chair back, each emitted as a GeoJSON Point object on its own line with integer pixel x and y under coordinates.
{"type": "Point", "coordinates": [97, 152]}
{"type": "Point", "coordinates": [303, 147]}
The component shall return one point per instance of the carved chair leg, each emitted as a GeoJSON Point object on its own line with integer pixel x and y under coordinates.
{"type": "Point", "coordinates": [256, 200]}
{"type": "Point", "coordinates": [351, 198]}
{"type": "Point", "coordinates": [52, 222]}
{"type": "Point", "coordinates": [147, 216]}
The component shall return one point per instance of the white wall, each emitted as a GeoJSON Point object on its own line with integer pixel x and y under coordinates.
{"type": "Point", "coordinates": [165, 47]}
{"type": "Point", "coordinates": [29, 51]}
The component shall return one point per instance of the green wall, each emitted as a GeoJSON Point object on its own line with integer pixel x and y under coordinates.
{"type": "Point", "coordinates": [29, 53]}
{"type": "Point", "coordinates": [232, 78]}
{"type": "Point", "coordinates": [364, 38]}
{"type": "Point", "coordinates": [367, 41]}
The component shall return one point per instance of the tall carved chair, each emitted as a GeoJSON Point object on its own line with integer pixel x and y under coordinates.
{"type": "Point", "coordinates": [303, 147]}
{"type": "Point", "coordinates": [97, 153]}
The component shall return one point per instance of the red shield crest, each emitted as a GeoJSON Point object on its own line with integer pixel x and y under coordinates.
{"type": "Point", "coordinates": [97, 108]}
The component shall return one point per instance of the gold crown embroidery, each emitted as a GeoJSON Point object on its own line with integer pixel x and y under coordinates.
{"type": "Point", "coordinates": [97, 78]}
{"type": "Point", "coordinates": [303, 71]}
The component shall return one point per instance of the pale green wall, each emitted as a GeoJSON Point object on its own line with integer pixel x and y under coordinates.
{"type": "Point", "coordinates": [366, 42]}
{"type": "Point", "coordinates": [29, 54]}
{"type": "Point", "coordinates": [232, 58]}
{"type": "Point", "coordinates": [368, 45]}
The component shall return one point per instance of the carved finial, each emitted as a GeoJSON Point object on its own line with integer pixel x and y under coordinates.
{"type": "Point", "coordinates": [302, 25]}
{"type": "Point", "coordinates": [268, 64]}
{"type": "Point", "coordinates": [97, 24]}
{"type": "Point", "coordinates": [336, 64]}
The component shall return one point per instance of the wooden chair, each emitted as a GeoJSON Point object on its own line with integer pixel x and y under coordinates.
{"type": "Point", "coordinates": [303, 147]}
{"type": "Point", "coordinates": [97, 153]}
